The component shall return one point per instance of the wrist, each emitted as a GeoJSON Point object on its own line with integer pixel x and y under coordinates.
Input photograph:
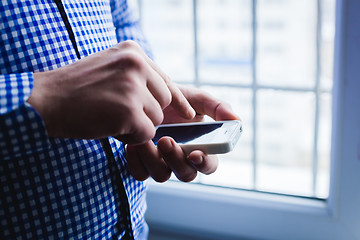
{"type": "Point", "coordinates": [42, 98]}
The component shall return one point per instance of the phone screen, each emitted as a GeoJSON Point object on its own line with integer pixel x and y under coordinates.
{"type": "Point", "coordinates": [194, 134]}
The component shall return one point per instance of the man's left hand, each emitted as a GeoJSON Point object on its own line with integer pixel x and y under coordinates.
{"type": "Point", "coordinates": [159, 161]}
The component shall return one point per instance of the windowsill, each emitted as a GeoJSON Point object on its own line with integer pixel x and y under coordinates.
{"type": "Point", "coordinates": [238, 197]}
{"type": "Point", "coordinates": [212, 211]}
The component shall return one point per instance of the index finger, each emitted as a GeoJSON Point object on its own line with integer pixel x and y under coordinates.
{"type": "Point", "coordinates": [178, 102]}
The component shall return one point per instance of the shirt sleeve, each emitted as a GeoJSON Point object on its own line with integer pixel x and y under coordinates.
{"type": "Point", "coordinates": [127, 23]}
{"type": "Point", "coordinates": [22, 130]}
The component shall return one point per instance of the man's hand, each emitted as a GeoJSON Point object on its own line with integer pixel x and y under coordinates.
{"type": "Point", "coordinates": [158, 162]}
{"type": "Point", "coordinates": [117, 92]}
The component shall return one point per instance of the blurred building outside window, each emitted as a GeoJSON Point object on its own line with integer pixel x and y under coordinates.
{"type": "Point", "coordinates": [272, 61]}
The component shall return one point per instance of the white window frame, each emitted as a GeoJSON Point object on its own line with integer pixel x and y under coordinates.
{"type": "Point", "coordinates": [221, 213]}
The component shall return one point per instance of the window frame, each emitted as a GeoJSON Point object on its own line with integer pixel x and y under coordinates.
{"type": "Point", "coordinates": [215, 212]}
{"type": "Point", "coordinates": [256, 87]}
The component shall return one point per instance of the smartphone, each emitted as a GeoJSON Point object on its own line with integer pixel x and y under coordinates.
{"type": "Point", "coordinates": [210, 137]}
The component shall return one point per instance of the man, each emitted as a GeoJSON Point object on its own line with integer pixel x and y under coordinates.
{"type": "Point", "coordinates": [73, 93]}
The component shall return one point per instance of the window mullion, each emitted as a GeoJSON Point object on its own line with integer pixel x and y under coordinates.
{"type": "Point", "coordinates": [317, 97]}
{"type": "Point", "coordinates": [196, 52]}
{"type": "Point", "coordinates": [254, 90]}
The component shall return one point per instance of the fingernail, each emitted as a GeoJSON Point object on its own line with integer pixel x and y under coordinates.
{"type": "Point", "coordinates": [198, 160]}
{"type": "Point", "coordinates": [191, 113]}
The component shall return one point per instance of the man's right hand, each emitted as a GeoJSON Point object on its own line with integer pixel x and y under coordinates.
{"type": "Point", "coordinates": [118, 92]}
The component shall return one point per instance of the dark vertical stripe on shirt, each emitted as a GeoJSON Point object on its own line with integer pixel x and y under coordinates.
{"type": "Point", "coordinates": [64, 17]}
{"type": "Point", "coordinates": [124, 205]}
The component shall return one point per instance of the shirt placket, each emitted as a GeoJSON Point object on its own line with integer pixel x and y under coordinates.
{"type": "Point", "coordinates": [124, 221]}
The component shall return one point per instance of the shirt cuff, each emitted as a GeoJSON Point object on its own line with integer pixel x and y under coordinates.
{"type": "Point", "coordinates": [15, 89]}
{"type": "Point", "coordinates": [22, 133]}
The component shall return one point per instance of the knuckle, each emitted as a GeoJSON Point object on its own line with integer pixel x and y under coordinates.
{"type": "Point", "coordinates": [166, 100]}
{"type": "Point", "coordinates": [129, 44]}
{"type": "Point", "coordinates": [130, 59]}
{"type": "Point", "coordinates": [125, 57]}
{"type": "Point", "coordinates": [167, 78]}
{"type": "Point", "coordinates": [151, 133]}
{"type": "Point", "coordinates": [130, 87]}
{"type": "Point", "coordinates": [163, 177]}
{"type": "Point", "coordinates": [159, 118]}
{"type": "Point", "coordinates": [144, 134]}
{"type": "Point", "coordinates": [188, 177]}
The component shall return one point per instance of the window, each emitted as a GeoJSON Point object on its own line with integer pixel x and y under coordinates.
{"type": "Point", "coordinates": [271, 59]}
{"type": "Point", "coordinates": [277, 150]}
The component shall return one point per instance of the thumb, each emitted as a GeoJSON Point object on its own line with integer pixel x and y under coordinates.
{"type": "Point", "coordinates": [224, 111]}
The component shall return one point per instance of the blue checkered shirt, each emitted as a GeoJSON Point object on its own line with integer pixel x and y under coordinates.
{"type": "Point", "coordinates": [53, 188]}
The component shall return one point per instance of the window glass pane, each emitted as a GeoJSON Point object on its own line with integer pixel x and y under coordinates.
{"type": "Point", "coordinates": [224, 41]}
{"type": "Point", "coordinates": [324, 143]}
{"type": "Point", "coordinates": [235, 168]}
{"type": "Point", "coordinates": [327, 43]}
{"type": "Point", "coordinates": [168, 25]}
{"type": "Point", "coordinates": [287, 36]}
{"type": "Point", "coordinates": [286, 42]}
{"type": "Point", "coordinates": [285, 130]}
